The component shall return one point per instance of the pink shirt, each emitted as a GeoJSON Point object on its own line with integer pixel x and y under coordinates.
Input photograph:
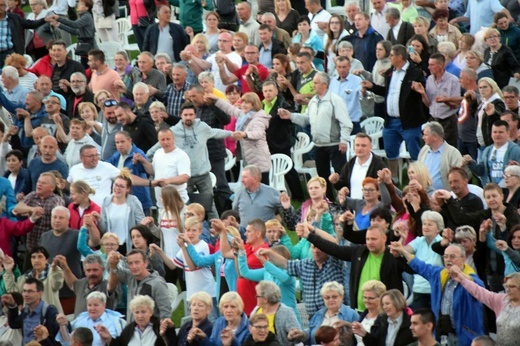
{"type": "Point", "coordinates": [137, 10]}
{"type": "Point", "coordinates": [105, 81]}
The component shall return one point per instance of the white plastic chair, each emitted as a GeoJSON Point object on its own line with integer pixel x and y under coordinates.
{"type": "Point", "coordinates": [234, 186]}
{"type": "Point", "coordinates": [181, 297]}
{"type": "Point", "coordinates": [477, 190]}
{"type": "Point", "coordinates": [124, 30]}
{"type": "Point", "coordinates": [173, 292]}
{"type": "Point", "coordinates": [350, 148]}
{"type": "Point", "coordinates": [213, 179]}
{"type": "Point", "coordinates": [110, 49]}
{"type": "Point", "coordinates": [302, 146]}
{"type": "Point", "coordinates": [404, 158]}
{"type": "Point", "coordinates": [72, 51]}
{"type": "Point", "coordinates": [281, 165]}
{"type": "Point", "coordinates": [373, 127]}
{"type": "Point", "coordinates": [229, 162]}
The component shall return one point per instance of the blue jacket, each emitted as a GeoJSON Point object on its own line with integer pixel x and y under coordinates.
{"type": "Point", "coordinates": [365, 47]}
{"type": "Point", "coordinates": [241, 333]}
{"type": "Point", "coordinates": [21, 180]}
{"type": "Point", "coordinates": [481, 169]}
{"type": "Point", "coordinates": [346, 313]}
{"type": "Point", "coordinates": [179, 39]}
{"type": "Point", "coordinates": [10, 200]}
{"type": "Point", "coordinates": [141, 192]}
{"type": "Point", "coordinates": [467, 311]}
{"type": "Point", "coordinates": [216, 259]}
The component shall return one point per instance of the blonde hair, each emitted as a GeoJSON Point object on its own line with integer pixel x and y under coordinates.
{"type": "Point", "coordinates": [273, 222]}
{"type": "Point", "coordinates": [204, 39]}
{"type": "Point", "coordinates": [158, 104]}
{"type": "Point", "coordinates": [422, 20]}
{"type": "Point", "coordinates": [172, 204]}
{"type": "Point", "coordinates": [81, 186]}
{"type": "Point", "coordinates": [231, 297]}
{"type": "Point", "coordinates": [110, 235]}
{"type": "Point", "coordinates": [491, 31]}
{"type": "Point", "coordinates": [375, 286]}
{"type": "Point", "coordinates": [396, 297]}
{"type": "Point", "coordinates": [100, 92]}
{"type": "Point", "coordinates": [253, 99]}
{"type": "Point", "coordinates": [232, 231]}
{"type": "Point", "coordinates": [333, 286]}
{"type": "Point", "coordinates": [421, 171]}
{"type": "Point", "coordinates": [276, 9]}
{"type": "Point", "coordinates": [203, 297]}
{"type": "Point", "coordinates": [197, 209]}
{"type": "Point", "coordinates": [192, 222]}
{"type": "Point", "coordinates": [494, 86]}
{"type": "Point", "coordinates": [320, 180]}
{"type": "Point", "coordinates": [142, 300]}
{"type": "Point", "coordinates": [90, 105]}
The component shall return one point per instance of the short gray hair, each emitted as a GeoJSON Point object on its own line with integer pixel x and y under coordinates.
{"type": "Point", "coordinates": [269, 14]}
{"type": "Point", "coordinates": [206, 75]}
{"type": "Point", "coordinates": [513, 169]}
{"type": "Point", "coordinates": [142, 300]}
{"type": "Point", "coordinates": [97, 295]}
{"type": "Point", "coordinates": [254, 171]}
{"type": "Point", "coordinates": [61, 208]}
{"type": "Point", "coordinates": [345, 44]}
{"type": "Point", "coordinates": [147, 54]}
{"type": "Point", "coordinates": [10, 72]}
{"type": "Point", "coordinates": [180, 67]}
{"type": "Point", "coordinates": [157, 104]}
{"type": "Point", "coordinates": [460, 247]}
{"type": "Point", "coordinates": [79, 75]}
{"type": "Point", "coordinates": [352, 3]}
{"type": "Point", "coordinates": [470, 73]}
{"type": "Point", "coordinates": [435, 128]}
{"type": "Point", "coordinates": [324, 77]}
{"type": "Point", "coordinates": [141, 85]}
{"type": "Point", "coordinates": [433, 216]}
{"type": "Point", "coordinates": [447, 48]}
{"type": "Point", "coordinates": [163, 56]}
{"type": "Point", "coordinates": [393, 12]}
{"type": "Point", "coordinates": [93, 259]}
{"type": "Point", "coordinates": [270, 291]}
{"type": "Point", "coordinates": [333, 286]}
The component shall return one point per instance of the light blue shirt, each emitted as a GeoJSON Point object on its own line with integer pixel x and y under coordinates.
{"type": "Point", "coordinates": [433, 163]}
{"type": "Point", "coordinates": [265, 55]}
{"type": "Point", "coordinates": [481, 12]}
{"type": "Point", "coordinates": [349, 89]}
{"type": "Point", "coordinates": [394, 91]}
{"type": "Point", "coordinates": [393, 328]}
{"type": "Point", "coordinates": [31, 321]}
{"type": "Point", "coordinates": [165, 42]}
{"type": "Point", "coordinates": [424, 252]}
{"type": "Point", "coordinates": [17, 95]}
{"type": "Point", "coordinates": [110, 319]}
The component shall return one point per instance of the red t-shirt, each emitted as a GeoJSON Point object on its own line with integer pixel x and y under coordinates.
{"type": "Point", "coordinates": [240, 74]}
{"type": "Point", "coordinates": [245, 287]}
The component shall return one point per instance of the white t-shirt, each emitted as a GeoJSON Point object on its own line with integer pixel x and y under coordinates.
{"type": "Point", "coordinates": [172, 164]}
{"type": "Point", "coordinates": [118, 221]}
{"type": "Point", "coordinates": [170, 232]}
{"type": "Point", "coordinates": [234, 57]}
{"type": "Point", "coordinates": [99, 178]}
{"type": "Point", "coordinates": [359, 173]}
{"type": "Point", "coordinates": [200, 279]}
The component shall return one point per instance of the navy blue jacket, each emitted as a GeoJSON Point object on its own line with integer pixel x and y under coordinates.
{"type": "Point", "coordinates": [179, 37]}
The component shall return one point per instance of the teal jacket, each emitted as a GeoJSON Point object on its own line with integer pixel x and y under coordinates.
{"type": "Point", "coordinates": [191, 12]}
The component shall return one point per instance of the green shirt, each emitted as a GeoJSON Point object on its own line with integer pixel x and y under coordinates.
{"type": "Point", "coordinates": [370, 271]}
{"type": "Point", "coordinates": [268, 106]}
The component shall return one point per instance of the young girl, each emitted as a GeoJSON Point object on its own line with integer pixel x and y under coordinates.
{"type": "Point", "coordinates": [81, 204]}
{"type": "Point", "coordinates": [142, 237]}
{"type": "Point", "coordinates": [88, 112]}
{"type": "Point", "coordinates": [272, 232]}
{"type": "Point", "coordinates": [510, 249]}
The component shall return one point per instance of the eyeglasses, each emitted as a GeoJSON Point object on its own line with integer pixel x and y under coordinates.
{"type": "Point", "coordinates": [368, 190]}
{"type": "Point", "coordinates": [249, 52]}
{"type": "Point", "coordinates": [509, 286]}
{"type": "Point", "coordinates": [331, 297]}
{"type": "Point", "coordinates": [109, 103]}
{"type": "Point", "coordinates": [510, 97]}
{"type": "Point", "coordinates": [450, 256]}
{"type": "Point", "coordinates": [336, 23]}
{"type": "Point", "coordinates": [494, 36]}
{"type": "Point", "coordinates": [508, 175]}
{"type": "Point", "coordinates": [77, 81]}
{"type": "Point", "coordinates": [52, 102]}
{"type": "Point", "coordinates": [261, 327]}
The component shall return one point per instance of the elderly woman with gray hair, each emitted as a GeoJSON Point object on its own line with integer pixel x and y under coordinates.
{"type": "Point", "coordinates": [96, 314]}
{"type": "Point", "coordinates": [334, 314]}
{"type": "Point", "coordinates": [282, 319]}
{"type": "Point", "coordinates": [512, 182]}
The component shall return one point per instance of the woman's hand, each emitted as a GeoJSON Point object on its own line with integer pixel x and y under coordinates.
{"type": "Point", "coordinates": [182, 240]}
{"type": "Point", "coordinates": [358, 329]}
{"type": "Point", "coordinates": [165, 324]}
{"type": "Point", "coordinates": [62, 320]}
{"type": "Point", "coordinates": [302, 229]}
{"type": "Point", "coordinates": [342, 195]}
{"type": "Point", "coordinates": [414, 184]}
{"type": "Point", "coordinates": [385, 176]}
{"type": "Point", "coordinates": [447, 236]}
{"type": "Point", "coordinates": [501, 221]}
{"type": "Point", "coordinates": [285, 200]}
{"type": "Point", "coordinates": [238, 243]}
{"type": "Point", "coordinates": [501, 245]}
{"type": "Point", "coordinates": [413, 198]}
{"type": "Point", "coordinates": [347, 216]}
{"type": "Point", "coordinates": [147, 221]}
{"type": "Point", "coordinates": [8, 264]}
{"type": "Point", "coordinates": [226, 336]}
{"type": "Point", "coordinates": [103, 332]}
{"type": "Point", "coordinates": [401, 230]}
{"type": "Point", "coordinates": [195, 333]}
{"type": "Point", "coordinates": [210, 97]}
{"type": "Point", "coordinates": [416, 58]}
{"type": "Point", "coordinates": [457, 274]}
{"type": "Point", "coordinates": [295, 334]}
{"type": "Point", "coordinates": [321, 208]}
{"type": "Point", "coordinates": [489, 108]}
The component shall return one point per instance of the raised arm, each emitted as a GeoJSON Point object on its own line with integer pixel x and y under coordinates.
{"type": "Point", "coordinates": [70, 278]}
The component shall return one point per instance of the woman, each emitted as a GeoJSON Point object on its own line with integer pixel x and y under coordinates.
{"type": "Point", "coordinates": [142, 237]}
{"type": "Point", "coordinates": [88, 112]}
{"type": "Point", "coordinates": [252, 121]}
{"type": "Point", "coordinates": [371, 291]}
{"type": "Point", "coordinates": [332, 294]}
{"type": "Point", "coordinates": [418, 172]}
{"type": "Point", "coordinates": [233, 93]}
{"type": "Point", "coordinates": [282, 68]}
{"type": "Point", "coordinates": [308, 38]}
{"type": "Point", "coordinates": [109, 243]}
{"type": "Point", "coordinates": [158, 114]}
{"type": "Point", "coordinates": [509, 33]}
{"type": "Point", "coordinates": [420, 27]}
{"type": "Point", "coordinates": [201, 44]}
{"type": "Point", "coordinates": [37, 39]}
{"type": "Point", "coordinates": [81, 204]}
{"type": "Point", "coordinates": [26, 78]}
{"type": "Point", "coordinates": [207, 82]}
{"type": "Point", "coordinates": [394, 309]}
{"type": "Point", "coordinates": [372, 190]}
{"type": "Point", "coordinates": [198, 329]}
{"type": "Point", "coordinates": [504, 305]}
{"type": "Point", "coordinates": [512, 189]}
{"type": "Point", "coordinates": [501, 59]}
{"type": "Point", "coordinates": [142, 15]}
{"type": "Point", "coordinates": [96, 313]}
{"type": "Point", "coordinates": [83, 29]}
{"type": "Point", "coordinates": [335, 32]}
{"type": "Point", "coordinates": [212, 31]}
{"type": "Point", "coordinates": [50, 275]}
{"type": "Point", "coordinates": [490, 93]}
{"type": "Point", "coordinates": [146, 329]}
{"type": "Point", "coordinates": [474, 61]}
{"type": "Point", "coordinates": [233, 320]}
{"type": "Point", "coordinates": [466, 41]}
{"type": "Point", "coordinates": [286, 16]}
{"type": "Point", "coordinates": [327, 336]}
{"type": "Point", "coordinates": [240, 41]}
{"type": "Point", "coordinates": [282, 319]}
{"type": "Point", "coordinates": [129, 74]}
{"type": "Point", "coordinates": [105, 20]}
{"type": "Point", "coordinates": [13, 6]}
{"type": "Point", "coordinates": [377, 75]}
{"type": "Point", "coordinates": [443, 31]}
{"type": "Point", "coordinates": [420, 54]}
{"type": "Point", "coordinates": [408, 11]}
{"type": "Point", "coordinates": [16, 174]}
{"type": "Point", "coordinates": [120, 211]}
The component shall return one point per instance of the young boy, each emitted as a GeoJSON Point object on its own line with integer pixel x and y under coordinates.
{"type": "Point", "coordinates": [272, 232]}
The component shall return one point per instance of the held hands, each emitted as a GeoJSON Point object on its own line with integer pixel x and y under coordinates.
{"type": "Point", "coordinates": [165, 324]}
{"type": "Point", "coordinates": [238, 135]}
{"type": "Point", "coordinates": [347, 216]}
{"type": "Point", "coordinates": [103, 333]}
{"type": "Point", "coordinates": [37, 213]}
{"type": "Point", "coordinates": [501, 245]}
{"type": "Point", "coordinates": [418, 87]}
{"type": "Point", "coordinates": [62, 320]}
{"type": "Point", "coordinates": [334, 178]}
{"type": "Point", "coordinates": [284, 114]}
{"type": "Point", "coordinates": [41, 333]}
{"type": "Point", "coordinates": [501, 220]}
{"type": "Point", "coordinates": [384, 175]}
{"type": "Point", "coordinates": [8, 264]}
{"type": "Point", "coordinates": [342, 195]}
{"type": "Point", "coordinates": [302, 229]}
{"type": "Point", "coordinates": [218, 225]}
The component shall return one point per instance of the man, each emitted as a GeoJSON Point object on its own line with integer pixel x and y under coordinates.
{"type": "Point", "coordinates": [37, 320]}
{"type": "Point", "coordinates": [14, 32]}
{"type": "Point", "coordinates": [140, 282]}
{"type": "Point", "coordinates": [149, 75]}
{"type": "Point", "coordinates": [163, 63]}
{"type": "Point", "coordinates": [191, 136]}
{"type": "Point", "coordinates": [141, 129]}
{"type": "Point", "coordinates": [165, 36]}
{"type": "Point", "coordinates": [441, 85]}
{"type": "Point", "coordinates": [348, 87]}
{"type": "Point", "coordinates": [225, 44]}
{"type": "Point", "coordinates": [55, 117]}
{"type": "Point", "coordinates": [62, 240]}
{"type": "Point", "coordinates": [110, 128]}
{"type": "Point", "coordinates": [495, 157]}
{"type": "Point", "coordinates": [483, 340]}
{"type": "Point", "coordinates": [438, 155]}
{"type": "Point", "coordinates": [378, 18]}
{"type": "Point", "coordinates": [248, 24]}
{"type": "Point", "coordinates": [103, 77]}
{"type": "Point", "coordinates": [511, 98]}
{"type": "Point", "coordinates": [400, 32]}
{"type": "Point", "coordinates": [94, 269]}
{"type": "Point", "coordinates": [280, 34]}
{"type": "Point", "coordinates": [248, 75]}
{"type": "Point", "coordinates": [405, 113]}
{"type": "Point", "coordinates": [422, 325]}
{"type": "Point", "coordinates": [78, 138]}
{"type": "Point", "coordinates": [269, 46]}
{"type": "Point", "coordinates": [81, 336]}
{"type": "Point", "coordinates": [330, 124]}
{"type": "Point", "coordinates": [190, 13]}
{"type": "Point", "coordinates": [255, 200]}
{"type": "Point", "coordinates": [467, 124]}
{"type": "Point", "coordinates": [364, 39]}
{"type": "Point", "coordinates": [38, 134]}
{"type": "Point", "coordinates": [48, 161]}
{"type": "Point", "coordinates": [13, 90]}
{"type": "Point", "coordinates": [318, 16]}
{"type": "Point", "coordinates": [123, 157]}
{"type": "Point", "coordinates": [80, 93]}
{"type": "Point", "coordinates": [170, 165]}
{"type": "Point", "coordinates": [468, 202]}
{"type": "Point", "coordinates": [98, 174]}
{"type": "Point", "coordinates": [142, 99]}
{"type": "Point", "coordinates": [351, 9]}
{"type": "Point", "coordinates": [458, 313]}
{"type": "Point", "coordinates": [480, 14]}
{"type": "Point", "coordinates": [513, 120]}
{"type": "Point", "coordinates": [364, 164]}
{"type": "Point", "coordinates": [173, 97]}
{"type": "Point", "coordinates": [259, 329]}
{"type": "Point", "coordinates": [300, 85]}
{"type": "Point", "coordinates": [63, 69]}
{"type": "Point", "coordinates": [281, 133]}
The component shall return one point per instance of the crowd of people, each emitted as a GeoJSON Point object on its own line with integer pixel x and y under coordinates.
{"type": "Point", "coordinates": [114, 183]}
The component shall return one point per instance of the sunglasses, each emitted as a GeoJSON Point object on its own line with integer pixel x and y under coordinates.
{"type": "Point", "coordinates": [110, 103]}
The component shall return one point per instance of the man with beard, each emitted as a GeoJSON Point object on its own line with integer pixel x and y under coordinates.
{"type": "Point", "coordinates": [94, 268]}
{"type": "Point", "coordinates": [110, 127]}
{"type": "Point", "coordinates": [141, 128]}
{"type": "Point", "coordinates": [80, 93]}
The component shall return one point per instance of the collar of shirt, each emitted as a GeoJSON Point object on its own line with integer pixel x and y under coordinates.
{"type": "Point", "coordinates": [366, 164]}
{"type": "Point", "coordinates": [38, 309]}
{"type": "Point", "coordinates": [269, 47]}
{"type": "Point", "coordinates": [268, 104]}
{"type": "Point", "coordinates": [439, 150]}
{"type": "Point", "coordinates": [397, 321]}
{"type": "Point", "coordinates": [404, 68]}
{"type": "Point", "coordinates": [343, 80]}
